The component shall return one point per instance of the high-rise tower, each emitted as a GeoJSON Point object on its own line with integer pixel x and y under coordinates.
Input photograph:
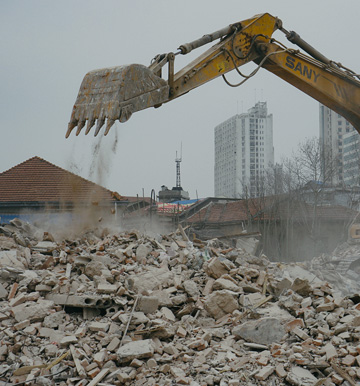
{"type": "Point", "coordinates": [243, 151]}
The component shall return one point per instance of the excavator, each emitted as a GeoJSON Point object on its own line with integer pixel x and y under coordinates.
{"type": "Point", "coordinates": [115, 93]}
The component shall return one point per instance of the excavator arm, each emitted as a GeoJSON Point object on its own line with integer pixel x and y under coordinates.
{"type": "Point", "coordinates": [329, 85]}
{"type": "Point", "coordinates": [116, 93]}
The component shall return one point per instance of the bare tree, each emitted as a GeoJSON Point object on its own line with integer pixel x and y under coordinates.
{"type": "Point", "coordinates": [308, 173]}
{"type": "Point", "coordinates": [288, 196]}
{"type": "Point", "coordinates": [302, 179]}
{"type": "Point", "coordinates": [310, 165]}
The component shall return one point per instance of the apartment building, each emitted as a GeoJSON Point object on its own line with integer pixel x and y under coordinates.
{"type": "Point", "coordinates": [351, 158]}
{"type": "Point", "coordinates": [333, 131]}
{"type": "Point", "coordinates": [243, 151]}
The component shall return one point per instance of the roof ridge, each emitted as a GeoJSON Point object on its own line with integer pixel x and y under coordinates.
{"type": "Point", "coordinates": [29, 161]}
{"type": "Point", "coordinates": [21, 163]}
{"type": "Point", "coordinates": [73, 174]}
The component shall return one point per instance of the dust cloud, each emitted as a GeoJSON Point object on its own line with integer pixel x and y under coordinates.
{"type": "Point", "coordinates": [102, 158]}
{"type": "Point", "coordinates": [82, 206]}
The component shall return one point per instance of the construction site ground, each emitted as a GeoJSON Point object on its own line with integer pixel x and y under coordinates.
{"type": "Point", "coordinates": [124, 308]}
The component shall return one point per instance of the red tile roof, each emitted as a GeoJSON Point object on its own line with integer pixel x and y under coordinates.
{"type": "Point", "coordinates": [300, 211]}
{"type": "Point", "coordinates": [37, 180]}
{"type": "Point", "coordinates": [217, 212]}
{"type": "Point", "coordinates": [269, 208]}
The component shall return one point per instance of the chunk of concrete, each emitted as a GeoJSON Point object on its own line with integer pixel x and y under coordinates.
{"type": "Point", "coordinates": [264, 373]}
{"type": "Point", "coordinates": [263, 331]}
{"type": "Point", "coordinates": [191, 288]}
{"type": "Point", "coordinates": [135, 350]}
{"type": "Point", "coordinates": [12, 259]}
{"type": "Point", "coordinates": [54, 320]}
{"type": "Point", "coordinates": [99, 326]}
{"type": "Point", "coordinates": [32, 311]}
{"type": "Point", "coordinates": [163, 298]}
{"type": "Point", "coordinates": [298, 376]}
{"type": "Point", "coordinates": [44, 247]}
{"type": "Point", "coordinates": [222, 283]}
{"type": "Point", "coordinates": [248, 244]}
{"type": "Point", "coordinates": [251, 299]}
{"type": "Point", "coordinates": [3, 292]}
{"type": "Point", "coordinates": [94, 268]}
{"type": "Point", "coordinates": [84, 301]}
{"type": "Point", "coordinates": [168, 314]}
{"type": "Point", "coordinates": [104, 288]}
{"type": "Point", "coordinates": [142, 251]}
{"type": "Point", "coordinates": [137, 318]}
{"type": "Point", "coordinates": [302, 287]}
{"type": "Point", "coordinates": [147, 304]}
{"type": "Point", "coordinates": [150, 280]}
{"type": "Point", "coordinates": [114, 344]}
{"type": "Point", "coordinates": [218, 266]}
{"type": "Point", "coordinates": [330, 351]}
{"type": "Point", "coordinates": [220, 303]}
{"type": "Point", "coordinates": [53, 335]}
{"type": "Point", "coordinates": [325, 307]}
{"type": "Point", "coordinates": [278, 287]}
{"type": "Point", "coordinates": [68, 340]}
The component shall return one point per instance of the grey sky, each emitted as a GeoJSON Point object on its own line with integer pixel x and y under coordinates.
{"type": "Point", "coordinates": [48, 46]}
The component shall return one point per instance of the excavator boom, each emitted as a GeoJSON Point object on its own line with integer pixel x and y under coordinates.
{"type": "Point", "coordinates": [115, 93]}
{"type": "Point", "coordinates": [331, 86]}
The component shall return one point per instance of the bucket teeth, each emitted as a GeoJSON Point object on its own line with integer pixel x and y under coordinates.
{"type": "Point", "coordinates": [80, 125]}
{"type": "Point", "coordinates": [110, 122]}
{"type": "Point", "coordinates": [126, 113]}
{"type": "Point", "coordinates": [71, 126]}
{"type": "Point", "coordinates": [90, 124]}
{"type": "Point", "coordinates": [99, 125]}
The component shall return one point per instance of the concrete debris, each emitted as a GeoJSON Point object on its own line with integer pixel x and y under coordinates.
{"type": "Point", "coordinates": [221, 303]}
{"type": "Point", "coordinates": [300, 376]}
{"type": "Point", "coordinates": [263, 331]}
{"type": "Point", "coordinates": [135, 350]}
{"type": "Point", "coordinates": [130, 309]}
{"type": "Point", "coordinates": [341, 268]}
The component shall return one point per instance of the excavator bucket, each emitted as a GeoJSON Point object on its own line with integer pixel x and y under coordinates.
{"type": "Point", "coordinates": [115, 94]}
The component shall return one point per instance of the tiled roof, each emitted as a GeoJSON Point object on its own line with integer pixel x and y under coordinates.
{"type": "Point", "coordinates": [217, 212]}
{"type": "Point", "coordinates": [268, 208]}
{"type": "Point", "coordinates": [37, 180]}
{"type": "Point", "coordinates": [300, 211]}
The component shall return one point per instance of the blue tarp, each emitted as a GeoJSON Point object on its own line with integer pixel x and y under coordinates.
{"type": "Point", "coordinates": [185, 202]}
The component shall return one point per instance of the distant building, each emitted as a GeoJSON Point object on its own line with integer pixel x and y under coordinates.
{"type": "Point", "coordinates": [333, 130]}
{"type": "Point", "coordinates": [351, 158]}
{"type": "Point", "coordinates": [38, 190]}
{"type": "Point", "coordinates": [322, 195]}
{"type": "Point", "coordinates": [285, 225]}
{"type": "Point", "coordinates": [176, 193]}
{"type": "Point", "coordinates": [243, 151]}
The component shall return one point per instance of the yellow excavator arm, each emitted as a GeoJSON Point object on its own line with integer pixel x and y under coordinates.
{"type": "Point", "coordinates": [111, 94]}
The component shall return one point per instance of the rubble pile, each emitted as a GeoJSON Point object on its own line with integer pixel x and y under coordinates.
{"type": "Point", "coordinates": [341, 268]}
{"type": "Point", "coordinates": [129, 309]}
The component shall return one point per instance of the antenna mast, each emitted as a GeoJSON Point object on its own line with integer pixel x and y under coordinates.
{"type": "Point", "coordinates": [178, 160]}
